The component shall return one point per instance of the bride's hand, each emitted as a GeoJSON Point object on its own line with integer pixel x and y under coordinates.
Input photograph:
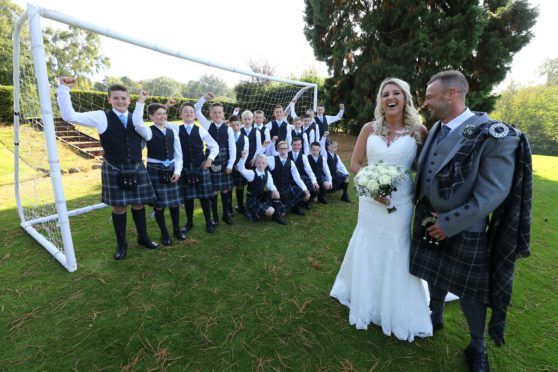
{"type": "Point", "coordinates": [382, 199]}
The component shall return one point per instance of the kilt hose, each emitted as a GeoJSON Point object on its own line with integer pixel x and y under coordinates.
{"type": "Point", "coordinates": [113, 195]}
{"type": "Point", "coordinates": [168, 194]}
{"type": "Point", "coordinates": [199, 190]}
{"type": "Point", "coordinates": [461, 266]}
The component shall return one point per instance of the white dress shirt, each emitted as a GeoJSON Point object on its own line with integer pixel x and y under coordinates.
{"type": "Point", "coordinates": [294, 171]}
{"type": "Point", "coordinates": [206, 124]}
{"type": "Point", "coordinates": [259, 147]}
{"type": "Point", "coordinates": [307, 168]}
{"type": "Point", "coordinates": [458, 120]}
{"type": "Point", "coordinates": [289, 138]}
{"type": "Point", "coordinates": [325, 167]}
{"type": "Point", "coordinates": [249, 175]}
{"type": "Point", "coordinates": [207, 139]}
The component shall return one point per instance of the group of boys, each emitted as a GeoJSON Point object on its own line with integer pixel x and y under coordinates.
{"type": "Point", "coordinates": [284, 167]}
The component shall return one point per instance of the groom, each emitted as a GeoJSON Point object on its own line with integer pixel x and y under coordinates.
{"type": "Point", "coordinates": [465, 172]}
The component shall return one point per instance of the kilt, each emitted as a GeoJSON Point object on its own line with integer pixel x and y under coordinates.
{"type": "Point", "coordinates": [307, 181]}
{"type": "Point", "coordinates": [201, 190]}
{"type": "Point", "coordinates": [168, 194]}
{"type": "Point", "coordinates": [256, 206]}
{"type": "Point", "coordinates": [290, 197]}
{"type": "Point", "coordinates": [238, 180]}
{"type": "Point", "coordinates": [461, 267]}
{"type": "Point", "coordinates": [222, 181]}
{"type": "Point", "coordinates": [337, 181]}
{"type": "Point", "coordinates": [113, 195]}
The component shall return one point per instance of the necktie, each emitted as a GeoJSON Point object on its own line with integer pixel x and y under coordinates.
{"type": "Point", "coordinates": [282, 161]}
{"type": "Point", "coordinates": [295, 155]}
{"type": "Point", "coordinates": [123, 119]}
{"type": "Point", "coordinates": [189, 129]}
{"type": "Point", "coordinates": [443, 133]}
{"type": "Point", "coordinates": [236, 137]}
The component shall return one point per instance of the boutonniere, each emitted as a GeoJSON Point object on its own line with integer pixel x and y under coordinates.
{"type": "Point", "coordinates": [468, 132]}
{"type": "Point", "coordinates": [498, 130]}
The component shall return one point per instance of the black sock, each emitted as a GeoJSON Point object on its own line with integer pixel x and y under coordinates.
{"type": "Point", "coordinates": [119, 223]}
{"type": "Point", "coordinates": [139, 221]}
{"type": "Point", "coordinates": [160, 218]}
{"type": "Point", "coordinates": [345, 186]}
{"type": "Point", "coordinates": [437, 299]}
{"type": "Point", "coordinates": [189, 207]}
{"type": "Point", "coordinates": [206, 208]}
{"type": "Point", "coordinates": [475, 314]}
{"type": "Point", "coordinates": [225, 201]}
{"type": "Point", "coordinates": [214, 208]}
{"type": "Point", "coordinates": [240, 198]}
{"type": "Point", "coordinates": [175, 217]}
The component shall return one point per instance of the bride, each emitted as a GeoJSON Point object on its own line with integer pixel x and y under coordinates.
{"type": "Point", "coordinates": [374, 280]}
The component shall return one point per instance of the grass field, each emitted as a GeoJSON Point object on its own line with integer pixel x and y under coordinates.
{"type": "Point", "coordinates": [249, 297]}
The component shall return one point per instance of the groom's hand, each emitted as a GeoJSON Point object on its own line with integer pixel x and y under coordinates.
{"type": "Point", "coordinates": [436, 232]}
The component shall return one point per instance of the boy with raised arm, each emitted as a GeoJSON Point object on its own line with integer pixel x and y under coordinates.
{"type": "Point", "coordinates": [279, 127]}
{"type": "Point", "coordinates": [221, 171]}
{"type": "Point", "coordinates": [242, 144]}
{"type": "Point", "coordinates": [124, 178]}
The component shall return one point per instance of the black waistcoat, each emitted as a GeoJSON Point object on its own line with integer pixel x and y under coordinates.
{"type": "Point", "coordinates": [192, 146]}
{"type": "Point", "coordinates": [239, 147]}
{"type": "Point", "coordinates": [262, 133]}
{"type": "Point", "coordinates": [221, 136]}
{"type": "Point", "coordinates": [317, 167]}
{"type": "Point", "coordinates": [257, 186]}
{"type": "Point", "coordinates": [299, 162]}
{"type": "Point", "coordinates": [279, 131]}
{"type": "Point", "coordinates": [299, 135]}
{"type": "Point", "coordinates": [322, 124]}
{"type": "Point", "coordinates": [332, 163]}
{"type": "Point", "coordinates": [121, 145]}
{"type": "Point", "coordinates": [251, 142]}
{"type": "Point", "coordinates": [161, 146]}
{"type": "Point", "coordinates": [282, 174]}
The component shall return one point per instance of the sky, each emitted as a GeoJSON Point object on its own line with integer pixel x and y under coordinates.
{"type": "Point", "coordinates": [234, 32]}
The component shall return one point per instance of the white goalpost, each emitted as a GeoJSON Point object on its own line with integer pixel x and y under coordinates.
{"type": "Point", "coordinates": [39, 189]}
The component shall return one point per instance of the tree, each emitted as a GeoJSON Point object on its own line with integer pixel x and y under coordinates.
{"type": "Point", "coordinates": [206, 83]}
{"type": "Point", "coordinates": [162, 86]}
{"type": "Point", "coordinates": [73, 52]}
{"type": "Point", "coordinates": [9, 13]}
{"type": "Point", "coordinates": [261, 67]}
{"type": "Point", "coordinates": [364, 41]}
{"type": "Point", "coordinates": [549, 69]}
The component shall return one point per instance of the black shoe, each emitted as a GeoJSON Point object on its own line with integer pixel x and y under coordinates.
{"type": "Point", "coordinates": [147, 243]}
{"type": "Point", "coordinates": [476, 361]}
{"type": "Point", "coordinates": [166, 240]}
{"type": "Point", "coordinates": [228, 220]}
{"type": "Point", "coordinates": [437, 326]}
{"type": "Point", "coordinates": [187, 228]}
{"type": "Point", "coordinates": [210, 228]}
{"type": "Point", "coordinates": [345, 198]}
{"type": "Point", "coordinates": [121, 252]}
{"type": "Point", "coordinates": [179, 234]}
{"type": "Point", "coordinates": [322, 200]}
{"type": "Point", "coordinates": [297, 211]}
{"type": "Point", "coordinates": [307, 206]}
{"type": "Point", "coordinates": [279, 219]}
{"type": "Point", "coordinates": [215, 223]}
{"type": "Point", "coordinates": [240, 210]}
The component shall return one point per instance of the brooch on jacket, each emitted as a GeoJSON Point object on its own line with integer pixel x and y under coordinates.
{"type": "Point", "coordinates": [498, 130]}
{"type": "Point", "coordinates": [468, 131]}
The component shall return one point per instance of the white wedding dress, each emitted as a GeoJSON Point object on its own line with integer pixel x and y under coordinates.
{"type": "Point", "coordinates": [374, 280]}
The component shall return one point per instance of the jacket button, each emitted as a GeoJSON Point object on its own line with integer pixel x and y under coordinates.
{"type": "Point", "coordinates": [447, 218]}
{"type": "Point", "coordinates": [456, 214]}
{"type": "Point", "coordinates": [466, 207]}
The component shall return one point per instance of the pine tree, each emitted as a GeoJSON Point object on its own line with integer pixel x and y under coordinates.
{"type": "Point", "coordinates": [365, 41]}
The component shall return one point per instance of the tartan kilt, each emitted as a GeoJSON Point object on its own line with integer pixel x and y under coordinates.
{"type": "Point", "coordinates": [290, 197]}
{"type": "Point", "coordinates": [256, 206]}
{"type": "Point", "coordinates": [461, 266]}
{"type": "Point", "coordinates": [201, 190]}
{"type": "Point", "coordinates": [168, 194]}
{"type": "Point", "coordinates": [307, 181]}
{"type": "Point", "coordinates": [113, 195]}
{"type": "Point", "coordinates": [238, 180]}
{"type": "Point", "coordinates": [337, 181]}
{"type": "Point", "coordinates": [222, 181]}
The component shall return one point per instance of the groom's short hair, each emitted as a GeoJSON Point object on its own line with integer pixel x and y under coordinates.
{"type": "Point", "coordinates": [452, 78]}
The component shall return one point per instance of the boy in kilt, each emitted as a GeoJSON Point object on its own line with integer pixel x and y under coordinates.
{"type": "Point", "coordinates": [259, 202]}
{"type": "Point", "coordinates": [164, 164]}
{"type": "Point", "coordinates": [242, 144]}
{"type": "Point", "coordinates": [339, 174]}
{"type": "Point", "coordinates": [321, 170]}
{"type": "Point", "coordinates": [287, 179]}
{"type": "Point", "coordinates": [222, 167]}
{"type": "Point", "coordinates": [298, 132]}
{"type": "Point", "coordinates": [304, 170]}
{"type": "Point", "coordinates": [124, 178]}
{"type": "Point", "coordinates": [279, 127]}
{"type": "Point", "coordinates": [196, 179]}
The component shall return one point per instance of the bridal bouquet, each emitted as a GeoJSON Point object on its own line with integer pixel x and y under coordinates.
{"type": "Point", "coordinates": [379, 179]}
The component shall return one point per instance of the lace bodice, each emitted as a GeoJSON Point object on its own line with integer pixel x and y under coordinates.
{"type": "Point", "coordinates": [401, 151]}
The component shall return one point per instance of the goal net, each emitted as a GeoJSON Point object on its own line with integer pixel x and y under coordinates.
{"type": "Point", "coordinates": [56, 163]}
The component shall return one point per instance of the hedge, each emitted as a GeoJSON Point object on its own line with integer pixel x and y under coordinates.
{"type": "Point", "coordinates": [6, 104]}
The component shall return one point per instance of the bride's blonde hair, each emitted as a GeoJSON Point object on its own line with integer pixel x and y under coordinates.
{"type": "Point", "coordinates": [411, 118]}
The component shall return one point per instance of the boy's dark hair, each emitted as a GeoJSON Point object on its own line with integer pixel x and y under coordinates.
{"type": "Point", "coordinates": [186, 104]}
{"type": "Point", "coordinates": [234, 118]}
{"type": "Point", "coordinates": [277, 106]}
{"type": "Point", "coordinates": [216, 104]}
{"type": "Point", "coordinates": [295, 139]}
{"type": "Point", "coordinates": [115, 87]}
{"type": "Point", "coordinates": [152, 108]}
{"type": "Point", "coordinates": [306, 116]}
{"type": "Point", "coordinates": [315, 144]}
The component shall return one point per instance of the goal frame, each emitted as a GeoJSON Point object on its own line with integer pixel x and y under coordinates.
{"type": "Point", "coordinates": [33, 14]}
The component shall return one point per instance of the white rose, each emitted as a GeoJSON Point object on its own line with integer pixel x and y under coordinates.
{"type": "Point", "coordinates": [385, 180]}
{"type": "Point", "coordinates": [362, 181]}
{"type": "Point", "coordinates": [372, 185]}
